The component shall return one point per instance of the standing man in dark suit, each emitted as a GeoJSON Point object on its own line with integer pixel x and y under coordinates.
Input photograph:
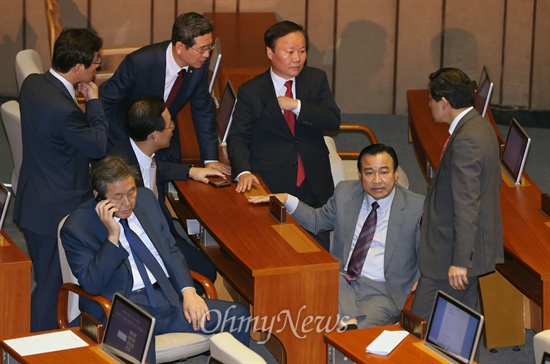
{"type": "Point", "coordinates": [150, 128]}
{"type": "Point", "coordinates": [278, 123]}
{"type": "Point", "coordinates": [461, 237]}
{"type": "Point", "coordinates": [120, 242]}
{"type": "Point", "coordinates": [58, 142]}
{"type": "Point", "coordinates": [177, 71]}
{"type": "Point", "coordinates": [372, 291]}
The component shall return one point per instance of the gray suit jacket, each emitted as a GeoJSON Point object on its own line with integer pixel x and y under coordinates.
{"type": "Point", "coordinates": [462, 225]}
{"type": "Point", "coordinates": [341, 212]}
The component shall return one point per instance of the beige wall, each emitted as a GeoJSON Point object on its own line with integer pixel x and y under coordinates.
{"type": "Point", "coordinates": [372, 50]}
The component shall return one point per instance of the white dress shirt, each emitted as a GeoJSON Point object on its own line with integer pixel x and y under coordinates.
{"type": "Point", "coordinates": [144, 164]}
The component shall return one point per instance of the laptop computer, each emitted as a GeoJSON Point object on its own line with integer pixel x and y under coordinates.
{"type": "Point", "coordinates": [484, 92]}
{"type": "Point", "coordinates": [454, 330]}
{"type": "Point", "coordinates": [214, 66]}
{"type": "Point", "coordinates": [224, 116]}
{"type": "Point", "coordinates": [128, 333]}
{"type": "Point", "coordinates": [515, 152]}
{"type": "Point", "coordinates": [5, 195]}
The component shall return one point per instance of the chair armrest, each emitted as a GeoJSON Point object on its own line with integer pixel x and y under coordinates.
{"type": "Point", "coordinates": [360, 129]}
{"type": "Point", "coordinates": [206, 283]}
{"type": "Point", "coordinates": [63, 300]}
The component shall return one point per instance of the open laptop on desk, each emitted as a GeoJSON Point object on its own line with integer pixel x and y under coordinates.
{"type": "Point", "coordinates": [5, 195]}
{"type": "Point", "coordinates": [483, 93]}
{"type": "Point", "coordinates": [515, 152]}
{"type": "Point", "coordinates": [454, 330]}
{"type": "Point", "coordinates": [224, 116]}
{"type": "Point", "coordinates": [128, 333]}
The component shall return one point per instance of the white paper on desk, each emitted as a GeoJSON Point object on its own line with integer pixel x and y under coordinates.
{"type": "Point", "coordinates": [386, 342]}
{"type": "Point", "coordinates": [45, 343]}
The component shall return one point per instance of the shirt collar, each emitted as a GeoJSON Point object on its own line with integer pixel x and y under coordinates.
{"type": "Point", "coordinates": [172, 67]}
{"type": "Point", "coordinates": [279, 82]}
{"type": "Point", "coordinates": [457, 119]}
{"type": "Point", "coordinates": [143, 159]}
{"type": "Point", "coordinates": [384, 203]}
{"type": "Point", "coordinates": [66, 83]}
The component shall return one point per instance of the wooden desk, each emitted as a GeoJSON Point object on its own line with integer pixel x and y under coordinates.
{"type": "Point", "coordinates": [526, 227]}
{"type": "Point", "coordinates": [353, 345]}
{"type": "Point", "coordinates": [15, 290]}
{"type": "Point", "coordinates": [87, 354]}
{"type": "Point", "coordinates": [291, 287]}
{"type": "Point", "coordinates": [243, 57]}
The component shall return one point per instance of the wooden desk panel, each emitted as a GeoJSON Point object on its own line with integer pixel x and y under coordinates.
{"type": "Point", "coordinates": [266, 270]}
{"type": "Point", "coordinates": [353, 344]}
{"type": "Point", "coordinates": [526, 227]}
{"type": "Point", "coordinates": [15, 290]}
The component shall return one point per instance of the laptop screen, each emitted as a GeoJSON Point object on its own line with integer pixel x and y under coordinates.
{"type": "Point", "coordinates": [515, 151]}
{"type": "Point", "coordinates": [129, 331]}
{"type": "Point", "coordinates": [484, 92]}
{"type": "Point", "coordinates": [5, 195]}
{"type": "Point", "coordinates": [225, 112]}
{"type": "Point", "coordinates": [454, 328]}
{"type": "Point", "coordinates": [214, 66]}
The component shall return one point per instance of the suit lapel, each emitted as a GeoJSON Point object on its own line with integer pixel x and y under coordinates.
{"type": "Point", "coordinates": [352, 208]}
{"type": "Point", "coordinates": [269, 99]}
{"type": "Point", "coordinates": [54, 81]}
{"type": "Point", "coordinates": [396, 221]}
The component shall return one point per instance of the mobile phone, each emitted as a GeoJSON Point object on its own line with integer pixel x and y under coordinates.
{"type": "Point", "coordinates": [99, 197]}
{"type": "Point", "coordinates": [218, 182]}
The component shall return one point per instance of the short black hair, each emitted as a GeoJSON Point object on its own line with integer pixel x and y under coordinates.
{"type": "Point", "coordinates": [111, 169]}
{"type": "Point", "coordinates": [375, 149]}
{"type": "Point", "coordinates": [279, 30]}
{"type": "Point", "coordinates": [144, 117]}
{"type": "Point", "coordinates": [74, 46]}
{"type": "Point", "coordinates": [188, 26]}
{"type": "Point", "coordinates": [452, 84]}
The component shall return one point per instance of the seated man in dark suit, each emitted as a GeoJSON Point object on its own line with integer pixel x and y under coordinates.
{"type": "Point", "coordinates": [376, 238]}
{"type": "Point", "coordinates": [120, 242]}
{"type": "Point", "coordinates": [150, 128]}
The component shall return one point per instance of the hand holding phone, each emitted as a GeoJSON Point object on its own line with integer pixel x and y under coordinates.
{"type": "Point", "coordinates": [106, 211]}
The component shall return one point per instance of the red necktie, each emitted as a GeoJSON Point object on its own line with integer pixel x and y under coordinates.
{"type": "Point", "coordinates": [445, 146]}
{"type": "Point", "coordinates": [175, 87]}
{"type": "Point", "coordinates": [290, 120]}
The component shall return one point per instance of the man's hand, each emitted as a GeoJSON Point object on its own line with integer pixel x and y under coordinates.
{"type": "Point", "coordinates": [88, 90]}
{"type": "Point", "coordinates": [245, 182]}
{"type": "Point", "coordinates": [265, 199]}
{"type": "Point", "coordinates": [200, 174]}
{"type": "Point", "coordinates": [458, 278]}
{"type": "Point", "coordinates": [105, 209]}
{"type": "Point", "coordinates": [287, 103]}
{"type": "Point", "coordinates": [194, 308]}
{"type": "Point", "coordinates": [219, 166]}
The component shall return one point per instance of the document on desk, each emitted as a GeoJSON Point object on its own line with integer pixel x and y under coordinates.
{"type": "Point", "coordinates": [386, 342]}
{"type": "Point", "coordinates": [46, 343]}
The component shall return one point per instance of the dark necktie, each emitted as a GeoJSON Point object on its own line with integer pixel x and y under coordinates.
{"type": "Point", "coordinates": [144, 258]}
{"type": "Point", "coordinates": [290, 120]}
{"type": "Point", "coordinates": [445, 146]}
{"type": "Point", "coordinates": [362, 246]}
{"type": "Point", "coordinates": [175, 87]}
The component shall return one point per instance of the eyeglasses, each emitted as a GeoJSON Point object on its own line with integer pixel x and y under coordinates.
{"type": "Point", "coordinates": [204, 49]}
{"type": "Point", "coordinates": [97, 61]}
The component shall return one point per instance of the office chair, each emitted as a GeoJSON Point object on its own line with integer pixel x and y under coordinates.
{"type": "Point", "coordinates": [111, 57]}
{"type": "Point", "coordinates": [11, 119]}
{"type": "Point", "coordinates": [225, 349]}
{"type": "Point", "coordinates": [168, 347]}
{"type": "Point", "coordinates": [27, 61]}
{"type": "Point", "coordinates": [343, 164]}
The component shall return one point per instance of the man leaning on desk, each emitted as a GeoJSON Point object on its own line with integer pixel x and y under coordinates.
{"type": "Point", "coordinates": [278, 123]}
{"type": "Point", "coordinates": [119, 241]}
{"type": "Point", "coordinates": [376, 238]}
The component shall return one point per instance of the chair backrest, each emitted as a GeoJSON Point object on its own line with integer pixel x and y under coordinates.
{"type": "Point", "coordinates": [27, 61]}
{"type": "Point", "coordinates": [67, 275]}
{"type": "Point", "coordinates": [224, 348]}
{"type": "Point", "coordinates": [11, 118]}
{"type": "Point", "coordinates": [53, 18]}
{"type": "Point", "coordinates": [337, 166]}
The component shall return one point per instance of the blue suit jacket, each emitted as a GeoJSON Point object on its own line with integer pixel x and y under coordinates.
{"type": "Point", "coordinates": [101, 267]}
{"type": "Point", "coordinates": [402, 240]}
{"type": "Point", "coordinates": [59, 140]}
{"type": "Point", "coordinates": [260, 140]}
{"type": "Point", "coordinates": [142, 73]}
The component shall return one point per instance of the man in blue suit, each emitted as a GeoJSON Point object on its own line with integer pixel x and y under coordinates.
{"type": "Point", "coordinates": [59, 139]}
{"type": "Point", "coordinates": [154, 70]}
{"type": "Point", "coordinates": [99, 239]}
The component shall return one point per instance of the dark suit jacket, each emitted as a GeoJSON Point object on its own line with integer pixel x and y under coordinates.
{"type": "Point", "coordinates": [167, 171]}
{"type": "Point", "coordinates": [260, 140]}
{"type": "Point", "coordinates": [58, 142]}
{"type": "Point", "coordinates": [340, 214]}
{"type": "Point", "coordinates": [142, 73]}
{"type": "Point", "coordinates": [101, 267]}
{"type": "Point", "coordinates": [462, 225]}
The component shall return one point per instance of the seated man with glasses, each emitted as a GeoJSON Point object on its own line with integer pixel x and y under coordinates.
{"type": "Point", "coordinates": [175, 70]}
{"type": "Point", "coordinates": [150, 129]}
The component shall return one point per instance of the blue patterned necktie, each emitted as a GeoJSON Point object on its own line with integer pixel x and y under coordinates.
{"type": "Point", "coordinates": [355, 265]}
{"type": "Point", "coordinates": [144, 258]}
